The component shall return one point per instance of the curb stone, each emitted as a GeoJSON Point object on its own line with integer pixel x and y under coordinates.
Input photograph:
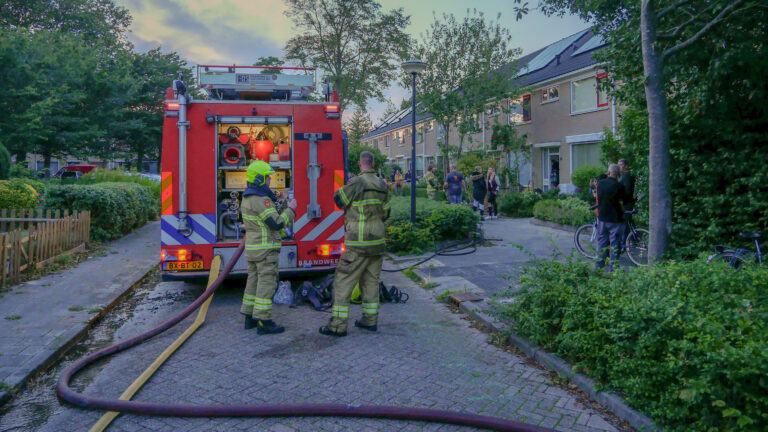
{"type": "Point", "coordinates": [552, 362]}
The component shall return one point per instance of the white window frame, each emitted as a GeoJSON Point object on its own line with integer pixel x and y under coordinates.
{"type": "Point", "coordinates": [546, 90]}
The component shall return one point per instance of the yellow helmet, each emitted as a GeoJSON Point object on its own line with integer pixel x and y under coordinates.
{"type": "Point", "coordinates": [257, 172]}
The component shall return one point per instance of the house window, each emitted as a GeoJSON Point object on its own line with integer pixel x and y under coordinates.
{"type": "Point", "coordinates": [586, 96]}
{"type": "Point", "coordinates": [388, 141]}
{"type": "Point", "coordinates": [430, 126]}
{"type": "Point", "coordinates": [494, 110]}
{"type": "Point", "coordinates": [602, 96]}
{"type": "Point", "coordinates": [549, 94]}
{"type": "Point", "coordinates": [419, 135]}
{"type": "Point", "coordinates": [585, 154]}
{"type": "Point", "coordinates": [376, 143]}
{"type": "Point", "coordinates": [520, 110]}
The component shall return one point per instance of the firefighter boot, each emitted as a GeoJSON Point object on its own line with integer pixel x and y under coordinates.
{"type": "Point", "coordinates": [249, 322]}
{"type": "Point", "coordinates": [268, 327]}
{"type": "Point", "coordinates": [328, 332]}
{"type": "Point", "coordinates": [372, 328]}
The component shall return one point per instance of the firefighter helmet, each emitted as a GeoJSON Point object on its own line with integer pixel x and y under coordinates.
{"type": "Point", "coordinates": [257, 172]}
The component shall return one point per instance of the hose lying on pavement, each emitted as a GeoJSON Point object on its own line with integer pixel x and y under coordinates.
{"type": "Point", "coordinates": [67, 394]}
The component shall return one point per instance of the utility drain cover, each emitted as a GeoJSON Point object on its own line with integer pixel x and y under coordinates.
{"type": "Point", "coordinates": [462, 297]}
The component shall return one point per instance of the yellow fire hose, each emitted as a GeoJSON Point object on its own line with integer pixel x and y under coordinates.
{"type": "Point", "coordinates": [109, 416]}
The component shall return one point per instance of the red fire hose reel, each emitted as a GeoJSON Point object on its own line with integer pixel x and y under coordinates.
{"type": "Point", "coordinates": [232, 154]}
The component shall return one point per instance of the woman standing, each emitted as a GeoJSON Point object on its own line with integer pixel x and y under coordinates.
{"type": "Point", "coordinates": [493, 191]}
{"type": "Point", "coordinates": [398, 183]}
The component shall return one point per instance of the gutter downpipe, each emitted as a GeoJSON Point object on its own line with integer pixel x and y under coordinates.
{"type": "Point", "coordinates": [613, 115]}
{"type": "Point", "coordinates": [183, 228]}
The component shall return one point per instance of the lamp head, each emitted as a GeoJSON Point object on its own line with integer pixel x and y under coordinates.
{"type": "Point", "coordinates": [414, 66]}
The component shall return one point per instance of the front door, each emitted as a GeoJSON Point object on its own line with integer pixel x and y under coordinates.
{"type": "Point", "coordinates": [550, 167]}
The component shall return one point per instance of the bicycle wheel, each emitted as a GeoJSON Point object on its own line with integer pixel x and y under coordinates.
{"type": "Point", "coordinates": [585, 240]}
{"type": "Point", "coordinates": [730, 258]}
{"type": "Point", "coordinates": [637, 246]}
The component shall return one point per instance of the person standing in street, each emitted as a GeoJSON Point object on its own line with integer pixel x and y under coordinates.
{"type": "Point", "coordinates": [454, 186]}
{"type": "Point", "coordinates": [479, 190]}
{"type": "Point", "coordinates": [610, 222]}
{"type": "Point", "coordinates": [262, 247]}
{"type": "Point", "coordinates": [493, 183]}
{"type": "Point", "coordinates": [431, 182]}
{"type": "Point", "coordinates": [365, 201]}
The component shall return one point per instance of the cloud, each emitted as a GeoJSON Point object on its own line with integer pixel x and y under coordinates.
{"type": "Point", "coordinates": [204, 32]}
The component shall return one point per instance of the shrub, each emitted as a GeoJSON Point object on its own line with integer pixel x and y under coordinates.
{"type": "Point", "coordinates": [569, 210]}
{"type": "Point", "coordinates": [17, 194]}
{"type": "Point", "coordinates": [687, 343]}
{"type": "Point", "coordinates": [517, 204]}
{"type": "Point", "coordinates": [401, 209]}
{"type": "Point", "coordinates": [449, 222]}
{"type": "Point", "coordinates": [581, 175]}
{"type": "Point", "coordinates": [116, 208]}
{"type": "Point", "coordinates": [434, 222]}
{"type": "Point", "coordinates": [19, 169]}
{"type": "Point", "coordinates": [404, 238]}
{"type": "Point", "coordinates": [99, 175]}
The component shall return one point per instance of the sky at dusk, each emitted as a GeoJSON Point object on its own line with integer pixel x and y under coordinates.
{"type": "Point", "coordinates": [240, 31]}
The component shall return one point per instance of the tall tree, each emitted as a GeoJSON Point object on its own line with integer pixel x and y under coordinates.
{"type": "Point", "coordinates": [98, 22]}
{"type": "Point", "coordinates": [357, 126]}
{"type": "Point", "coordinates": [468, 66]}
{"type": "Point", "coordinates": [660, 30]}
{"type": "Point", "coordinates": [352, 41]}
{"type": "Point", "coordinates": [268, 61]}
{"type": "Point", "coordinates": [140, 127]}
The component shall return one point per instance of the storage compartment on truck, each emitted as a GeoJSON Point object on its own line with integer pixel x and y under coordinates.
{"type": "Point", "coordinates": [237, 146]}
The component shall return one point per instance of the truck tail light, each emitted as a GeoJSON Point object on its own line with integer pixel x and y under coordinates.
{"type": "Point", "coordinates": [332, 111]}
{"type": "Point", "coordinates": [329, 249]}
{"type": "Point", "coordinates": [176, 255]}
{"type": "Point", "coordinates": [172, 106]}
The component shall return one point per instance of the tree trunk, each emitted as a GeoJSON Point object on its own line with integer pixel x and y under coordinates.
{"type": "Point", "coordinates": [140, 157]}
{"type": "Point", "coordinates": [47, 162]}
{"type": "Point", "coordinates": [444, 150]}
{"type": "Point", "coordinates": [660, 201]}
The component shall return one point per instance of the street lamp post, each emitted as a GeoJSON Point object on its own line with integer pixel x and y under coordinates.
{"type": "Point", "coordinates": [413, 67]}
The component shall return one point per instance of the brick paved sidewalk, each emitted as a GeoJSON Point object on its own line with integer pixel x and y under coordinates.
{"type": "Point", "coordinates": [44, 316]}
{"type": "Point", "coordinates": [423, 356]}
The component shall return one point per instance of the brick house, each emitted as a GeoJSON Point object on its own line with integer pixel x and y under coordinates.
{"type": "Point", "coordinates": [562, 114]}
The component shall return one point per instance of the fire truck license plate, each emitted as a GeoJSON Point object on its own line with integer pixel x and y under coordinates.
{"type": "Point", "coordinates": [187, 265]}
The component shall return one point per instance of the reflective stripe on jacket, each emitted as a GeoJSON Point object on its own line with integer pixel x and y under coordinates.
{"type": "Point", "coordinates": [262, 225]}
{"type": "Point", "coordinates": [366, 202]}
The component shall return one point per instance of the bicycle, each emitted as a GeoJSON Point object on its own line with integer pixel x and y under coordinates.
{"type": "Point", "coordinates": [636, 244]}
{"type": "Point", "coordinates": [735, 257]}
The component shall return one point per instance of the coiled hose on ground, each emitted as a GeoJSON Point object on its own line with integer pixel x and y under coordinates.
{"type": "Point", "coordinates": [67, 394]}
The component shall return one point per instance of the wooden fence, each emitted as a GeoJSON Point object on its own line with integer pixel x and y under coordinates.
{"type": "Point", "coordinates": [34, 238]}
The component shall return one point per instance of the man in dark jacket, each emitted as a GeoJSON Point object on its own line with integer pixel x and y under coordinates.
{"type": "Point", "coordinates": [610, 221]}
{"type": "Point", "coordinates": [479, 189]}
{"type": "Point", "coordinates": [628, 181]}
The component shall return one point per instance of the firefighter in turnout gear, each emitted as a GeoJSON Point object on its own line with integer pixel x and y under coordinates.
{"type": "Point", "coordinates": [365, 202]}
{"type": "Point", "coordinates": [262, 247]}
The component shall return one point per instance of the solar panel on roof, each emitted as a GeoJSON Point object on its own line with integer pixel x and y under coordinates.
{"type": "Point", "coordinates": [548, 54]}
{"type": "Point", "coordinates": [589, 45]}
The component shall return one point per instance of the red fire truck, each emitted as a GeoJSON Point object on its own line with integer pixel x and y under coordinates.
{"type": "Point", "coordinates": [249, 113]}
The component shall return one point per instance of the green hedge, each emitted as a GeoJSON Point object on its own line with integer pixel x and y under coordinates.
{"type": "Point", "coordinates": [116, 208]}
{"type": "Point", "coordinates": [581, 176]}
{"type": "Point", "coordinates": [569, 210]}
{"type": "Point", "coordinates": [435, 222]}
{"type": "Point", "coordinates": [518, 205]}
{"type": "Point", "coordinates": [686, 343]}
{"type": "Point", "coordinates": [100, 175]}
{"type": "Point", "coordinates": [17, 194]}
